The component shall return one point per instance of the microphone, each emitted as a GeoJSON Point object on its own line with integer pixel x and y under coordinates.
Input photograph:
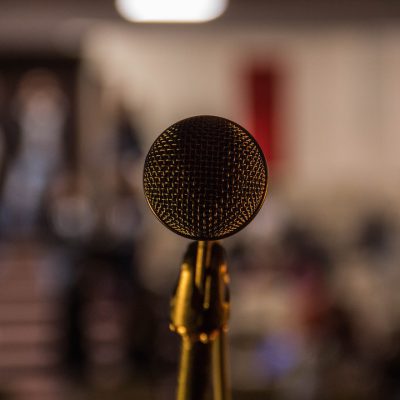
{"type": "Point", "coordinates": [205, 178]}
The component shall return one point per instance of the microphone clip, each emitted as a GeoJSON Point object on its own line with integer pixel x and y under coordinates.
{"type": "Point", "coordinates": [200, 304]}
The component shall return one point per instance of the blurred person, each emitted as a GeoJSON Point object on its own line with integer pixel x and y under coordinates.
{"type": "Point", "coordinates": [374, 277]}
{"type": "Point", "coordinates": [71, 221]}
{"type": "Point", "coordinates": [367, 280]}
{"type": "Point", "coordinates": [39, 110]}
{"type": "Point", "coordinates": [101, 270]}
{"type": "Point", "coordinates": [120, 223]}
{"type": "Point", "coordinates": [118, 243]}
{"type": "Point", "coordinates": [330, 363]}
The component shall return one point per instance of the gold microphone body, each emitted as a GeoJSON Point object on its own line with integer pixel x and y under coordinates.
{"type": "Point", "coordinates": [205, 178]}
{"type": "Point", "coordinates": [199, 314]}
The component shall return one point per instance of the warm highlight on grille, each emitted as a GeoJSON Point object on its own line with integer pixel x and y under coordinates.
{"type": "Point", "coordinates": [205, 177]}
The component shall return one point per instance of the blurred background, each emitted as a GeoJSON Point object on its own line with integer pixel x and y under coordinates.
{"type": "Point", "coordinates": [86, 272]}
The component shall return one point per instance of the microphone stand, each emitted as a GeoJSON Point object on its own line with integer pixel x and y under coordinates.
{"type": "Point", "coordinates": [199, 314]}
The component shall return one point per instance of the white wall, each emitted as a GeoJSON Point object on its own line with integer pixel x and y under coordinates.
{"type": "Point", "coordinates": [340, 105]}
{"type": "Point", "coordinates": [340, 110]}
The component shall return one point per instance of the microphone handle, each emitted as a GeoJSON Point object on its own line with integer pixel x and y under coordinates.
{"type": "Point", "coordinates": [220, 373]}
{"type": "Point", "coordinates": [199, 314]}
{"type": "Point", "coordinates": [194, 371]}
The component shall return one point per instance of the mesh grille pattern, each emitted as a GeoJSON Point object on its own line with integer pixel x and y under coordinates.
{"type": "Point", "coordinates": [205, 177]}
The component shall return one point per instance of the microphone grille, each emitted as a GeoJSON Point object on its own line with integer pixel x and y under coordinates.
{"type": "Point", "coordinates": [205, 177]}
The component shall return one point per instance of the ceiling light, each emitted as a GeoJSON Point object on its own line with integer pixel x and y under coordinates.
{"type": "Point", "coordinates": [170, 10]}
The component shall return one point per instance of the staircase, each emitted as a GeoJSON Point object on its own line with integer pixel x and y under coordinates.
{"type": "Point", "coordinates": [29, 329]}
